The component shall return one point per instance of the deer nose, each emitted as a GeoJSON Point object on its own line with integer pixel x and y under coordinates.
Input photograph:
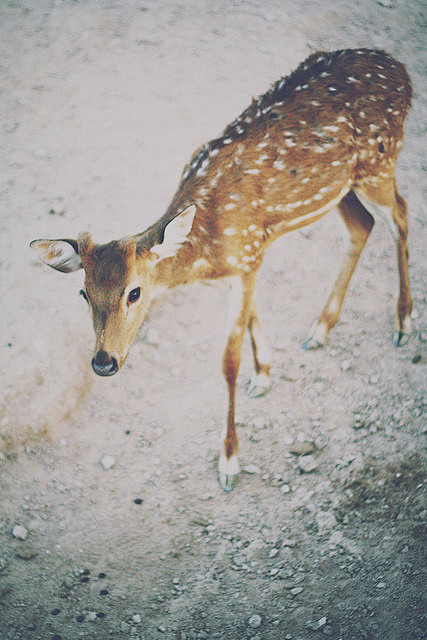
{"type": "Point", "coordinates": [104, 365]}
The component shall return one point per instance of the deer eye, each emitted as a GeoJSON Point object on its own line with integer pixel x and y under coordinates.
{"type": "Point", "coordinates": [134, 295]}
{"type": "Point", "coordinates": [84, 294]}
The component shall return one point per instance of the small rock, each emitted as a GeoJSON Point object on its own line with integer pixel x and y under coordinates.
{"type": "Point", "coordinates": [161, 628]}
{"type": "Point", "coordinates": [91, 616]}
{"type": "Point", "coordinates": [107, 461]}
{"type": "Point", "coordinates": [373, 380]}
{"type": "Point", "coordinates": [416, 359]}
{"type": "Point", "coordinates": [258, 422]}
{"type": "Point", "coordinates": [381, 585]}
{"type": "Point", "coordinates": [297, 590]}
{"type": "Point", "coordinates": [251, 469]}
{"type": "Point", "coordinates": [289, 543]}
{"type": "Point", "coordinates": [345, 365]}
{"type": "Point", "coordinates": [19, 532]}
{"type": "Point", "coordinates": [255, 621]}
{"type": "Point", "coordinates": [285, 488]}
{"type": "Point", "coordinates": [322, 622]}
{"type": "Point", "coordinates": [307, 464]}
{"type": "Point", "coordinates": [136, 618]}
{"type": "Point", "coordinates": [336, 538]}
{"type": "Point", "coordinates": [302, 448]}
{"type": "Point", "coordinates": [273, 553]}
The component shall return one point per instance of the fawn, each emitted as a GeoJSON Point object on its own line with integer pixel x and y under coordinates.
{"type": "Point", "coordinates": [328, 135]}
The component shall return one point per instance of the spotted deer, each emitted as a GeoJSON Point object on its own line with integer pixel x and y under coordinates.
{"type": "Point", "coordinates": [326, 136]}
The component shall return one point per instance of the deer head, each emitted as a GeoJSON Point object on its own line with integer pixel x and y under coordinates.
{"type": "Point", "coordinates": [120, 278]}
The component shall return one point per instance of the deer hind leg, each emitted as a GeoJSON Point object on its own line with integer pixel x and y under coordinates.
{"type": "Point", "coordinates": [260, 380]}
{"type": "Point", "coordinates": [240, 311]}
{"type": "Point", "coordinates": [388, 204]}
{"type": "Point", "coordinates": [358, 222]}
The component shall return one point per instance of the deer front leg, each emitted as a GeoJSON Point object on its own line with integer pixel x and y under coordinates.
{"type": "Point", "coordinates": [260, 381]}
{"type": "Point", "coordinates": [240, 307]}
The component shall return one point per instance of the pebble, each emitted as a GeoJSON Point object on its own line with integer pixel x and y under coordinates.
{"type": "Point", "coordinates": [136, 618]}
{"type": "Point", "coordinates": [322, 622]}
{"type": "Point", "coordinates": [273, 553]}
{"type": "Point", "coordinates": [251, 469]}
{"type": "Point", "coordinates": [336, 538]}
{"type": "Point", "coordinates": [258, 422]}
{"type": "Point", "coordinates": [345, 365]}
{"type": "Point", "coordinates": [297, 590]}
{"type": "Point", "coordinates": [255, 621]}
{"type": "Point", "coordinates": [307, 464]}
{"type": "Point", "coordinates": [302, 448]}
{"type": "Point", "coordinates": [107, 461]}
{"type": "Point", "coordinates": [289, 543]}
{"type": "Point", "coordinates": [285, 488]}
{"type": "Point", "coordinates": [20, 532]}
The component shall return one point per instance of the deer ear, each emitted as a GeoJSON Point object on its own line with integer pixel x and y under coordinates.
{"type": "Point", "coordinates": [175, 233]}
{"type": "Point", "coordinates": [61, 255]}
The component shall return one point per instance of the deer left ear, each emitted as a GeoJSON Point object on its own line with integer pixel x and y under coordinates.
{"type": "Point", "coordinates": [175, 234]}
{"type": "Point", "coordinates": [61, 255]}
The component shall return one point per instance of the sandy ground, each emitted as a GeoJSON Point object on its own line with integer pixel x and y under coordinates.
{"type": "Point", "coordinates": [102, 104]}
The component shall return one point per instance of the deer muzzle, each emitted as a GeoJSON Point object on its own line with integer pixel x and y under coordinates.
{"type": "Point", "coordinates": [104, 365]}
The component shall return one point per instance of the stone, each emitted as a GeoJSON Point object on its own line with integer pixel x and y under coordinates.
{"type": "Point", "coordinates": [107, 461]}
{"type": "Point", "coordinates": [251, 469]}
{"type": "Point", "coordinates": [307, 464]}
{"type": "Point", "coordinates": [302, 448]}
{"type": "Point", "coordinates": [20, 532]}
{"type": "Point", "coordinates": [255, 621]}
{"type": "Point", "coordinates": [345, 365]}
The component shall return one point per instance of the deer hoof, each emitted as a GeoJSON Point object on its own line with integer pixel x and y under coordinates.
{"type": "Point", "coordinates": [400, 338]}
{"type": "Point", "coordinates": [311, 344]}
{"type": "Point", "coordinates": [228, 470]}
{"type": "Point", "coordinates": [227, 481]}
{"type": "Point", "coordinates": [258, 385]}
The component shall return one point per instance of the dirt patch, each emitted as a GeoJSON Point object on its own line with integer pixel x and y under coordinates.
{"type": "Point", "coordinates": [324, 533]}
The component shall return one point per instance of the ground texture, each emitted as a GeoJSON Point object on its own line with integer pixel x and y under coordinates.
{"type": "Point", "coordinates": [102, 105]}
